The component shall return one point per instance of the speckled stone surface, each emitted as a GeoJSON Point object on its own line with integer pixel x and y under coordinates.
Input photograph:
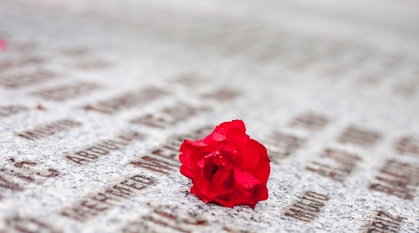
{"type": "Point", "coordinates": [307, 77]}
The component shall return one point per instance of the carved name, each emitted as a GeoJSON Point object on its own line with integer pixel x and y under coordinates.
{"type": "Point", "coordinates": [98, 203]}
{"type": "Point", "coordinates": [310, 120]}
{"type": "Point", "coordinates": [22, 173]}
{"type": "Point", "coordinates": [335, 164]}
{"type": "Point", "coordinates": [307, 207]}
{"type": "Point", "coordinates": [104, 147]}
{"type": "Point", "coordinates": [408, 146]}
{"type": "Point", "coordinates": [170, 115]}
{"type": "Point", "coordinates": [165, 217]}
{"type": "Point", "coordinates": [189, 80]}
{"type": "Point", "coordinates": [19, 80]}
{"type": "Point", "coordinates": [28, 225]}
{"type": "Point", "coordinates": [281, 145]}
{"type": "Point", "coordinates": [69, 91]}
{"type": "Point", "coordinates": [385, 222]}
{"type": "Point", "coordinates": [165, 159]}
{"type": "Point", "coordinates": [359, 136]}
{"type": "Point", "coordinates": [20, 63]}
{"type": "Point", "coordinates": [10, 110]}
{"type": "Point", "coordinates": [50, 129]}
{"type": "Point", "coordinates": [398, 179]}
{"type": "Point", "coordinates": [127, 100]}
{"type": "Point", "coordinates": [222, 95]}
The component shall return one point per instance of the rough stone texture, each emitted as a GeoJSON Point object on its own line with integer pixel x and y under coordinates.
{"type": "Point", "coordinates": [304, 76]}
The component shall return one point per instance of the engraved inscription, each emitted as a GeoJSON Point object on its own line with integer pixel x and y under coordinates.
{"type": "Point", "coordinates": [335, 164]}
{"type": "Point", "coordinates": [19, 174]}
{"type": "Point", "coordinates": [406, 89]}
{"type": "Point", "coordinates": [127, 100]}
{"type": "Point", "coordinates": [307, 207]}
{"type": "Point", "coordinates": [50, 129]}
{"type": "Point", "coordinates": [10, 110]}
{"type": "Point", "coordinates": [165, 217]}
{"type": "Point", "coordinates": [408, 146]}
{"type": "Point", "coordinates": [359, 136]}
{"type": "Point", "coordinates": [164, 159]}
{"type": "Point", "coordinates": [310, 120]}
{"type": "Point", "coordinates": [189, 80]}
{"type": "Point", "coordinates": [198, 133]}
{"type": "Point", "coordinates": [104, 147]}
{"type": "Point", "coordinates": [385, 222]}
{"type": "Point", "coordinates": [92, 64]}
{"type": "Point", "coordinates": [28, 225]}
{"type": "Point", "coordinates": [281, 145]}
{"type": "Point", "coordinates": [170, 149]}
{"type": "Point", "coordinates": [98, 203]}
{"type": "Point", "coordinates": [75, 52]}
{"type": "Point", "coordinates": [236, 229]}
{"type": "Point", "coordinates": [20, 63]}
{"type": "Point", "coordinates": [398, 179]}
{"type": "Point", "coordinates": [155, 164]}
{"type": "Point", "coordinates": [19, 80]}
{"type": "Point", "coordinates": [222, 95]}
{"type": "Point", "coordinates": [170, 115]}
{"type": "Point", "coordinates": [65, 92]}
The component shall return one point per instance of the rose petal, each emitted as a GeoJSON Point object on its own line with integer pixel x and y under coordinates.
{"type": "Point", "coordinates": [260, 150]}
{"type": "Point", "coordinates": [218, 137]}
{"type": "Point", "coordinates": [227, 199]}
{"type": "Point", "coordinates": [205, 159]}
{"type": "Point", "coordinates": [187, 172]}
{"type": "Point", "coordinates": [195, 191]}
{"type": "Point", "coordinates": [219, 133]}
{"type": "Point", "coordinates": [262, 171]}
{"type": "Point", "coordinates": [245, 179]}
{"type": "Point", "coordinates": [225, 160]}
{"type": "Point", "coordinates": [185, 159]}
{"type": "Point", "coordinates": [236, 124]}
{"type": "Point", "coordinates": [247, 148]}
{"type": "Point", "coordinates": [190, 146]}
{"type": "Point", "coordinates": [223, 180]}
{"type": "Point", "coordinates": [259, 193]}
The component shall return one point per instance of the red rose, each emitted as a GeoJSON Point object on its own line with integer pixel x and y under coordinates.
{"type": "Point", "coordinates": [227, 166]}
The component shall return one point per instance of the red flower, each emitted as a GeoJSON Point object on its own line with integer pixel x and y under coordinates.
{"type": "Point", "coordinates": [227, 166]}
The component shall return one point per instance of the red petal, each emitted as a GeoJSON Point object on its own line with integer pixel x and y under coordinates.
{"type": "Point", "coordinates": [190, 146]}
{"type": "Point", "coordinates": [187, 172]}
{"type": "Point", "coordinates": [238, 124]}
{"type": "Point", "coordinates": [185, 159]}
{"type": "Point", "coordinates": [245, 179]}
{"type": "Point", "coordinates": [223, 180]}
{"type": "Point", "coordinates": [204, 160]}
{"type": "Point", "coordinates": [195, 191]}
{"type": "Point", "coordinates": [259, 193]}
{"type": "Point", "coordinates": [246, 148]}
{"type": "Point", "coordinates": [224, 127]}
{"type": "Point", "coordinates": [220, 131]}
{"type": "Point", "coordinates": [204, 187]}
{"type": "Point", "coordinates": [261, 150]}
{"type": "Point", "coordinates": [263, 193]}
{"type": "Point", "coordinates": [226, 160]}
{"type": "Point", "coordinates": [262, 171]}
{"type": "Point", "coordinates": [227, 200]}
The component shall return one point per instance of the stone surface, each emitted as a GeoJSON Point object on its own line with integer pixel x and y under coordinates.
{"type": "Point", "coordinates": [96, 96]}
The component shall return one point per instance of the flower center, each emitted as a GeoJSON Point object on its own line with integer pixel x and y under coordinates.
{"type": "Point", "coordinates": [215, 169]}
